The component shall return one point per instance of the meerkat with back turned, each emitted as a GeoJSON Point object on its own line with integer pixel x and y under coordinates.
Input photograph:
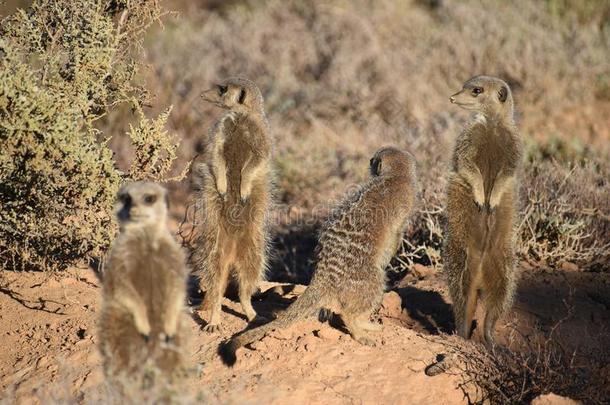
{"type": "Point", "coordinates": [233, 179]}
{"type": "Point", "coordinates": [481, 205]}
{"type": "Point", "coordinates": [144, 287]}
{"type": "Point", "coordinates": [356, 244]}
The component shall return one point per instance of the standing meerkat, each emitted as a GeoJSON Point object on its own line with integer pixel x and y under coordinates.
{"type": "Point", "coordinates": [481, 205]}
{"type": "Point", "coordinates": [144, 287]}
{"type": "Point", "coordinates": [356, 244]}
{"type": "Point", "coordinates": [233, 180]}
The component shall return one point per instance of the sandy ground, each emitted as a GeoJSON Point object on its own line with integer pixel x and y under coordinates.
{"type": "Point", "coordinates": [48, 340]}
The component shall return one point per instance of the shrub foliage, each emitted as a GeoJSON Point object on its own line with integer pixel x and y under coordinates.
{"type": "Point", "coordinates": [63, 65]}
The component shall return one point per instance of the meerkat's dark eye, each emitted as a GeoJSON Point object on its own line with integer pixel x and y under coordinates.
{"type": "Point", "coordinates": [222, 89]}
{"type": "Point", "coordinates": [150, 199]}
{"type": "Point", "coordinates": [477, 90]}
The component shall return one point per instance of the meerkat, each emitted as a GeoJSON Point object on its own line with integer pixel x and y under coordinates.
{"type": "Point", "coordinates": [481, 207]}
{"type": "Point", "coordinates": [233, 181]}
{"type": "Point", "coordinates": [144, 287]}
{"type": "Point", "coordinates": [356, 244]}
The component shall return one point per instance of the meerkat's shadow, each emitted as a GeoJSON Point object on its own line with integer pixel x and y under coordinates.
{"type": "Point", "coordinates": [428, 309]}
{"type": "Point", "coordinates": [266, 303]}
{"type": "Point", "coordinates": [293, 254]}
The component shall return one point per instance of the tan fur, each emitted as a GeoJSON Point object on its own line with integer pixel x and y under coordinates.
{"type": "Point", "coordinates": [144, 288]}
{"type": "Point", "coordinates": [356, 245]}
{"type": "Point", "coordinates": [233, 179]}
{"type": "Point", "coordinates": [481, 206]}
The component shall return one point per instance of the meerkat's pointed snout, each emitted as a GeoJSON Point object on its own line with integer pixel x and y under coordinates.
{"type": "Point", "coordinates": [213, 94]}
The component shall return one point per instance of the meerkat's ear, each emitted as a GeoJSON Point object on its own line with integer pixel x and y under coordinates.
{"type": "Point", "coordinates": [503, 94]}
{"type": "Point", "coordinates": [242, 96]}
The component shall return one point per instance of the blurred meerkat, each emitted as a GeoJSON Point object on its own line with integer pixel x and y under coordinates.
{"type": "Point", "coordinates": [356, 244]}
{"type": "Point", "coordinates": [233, 180]}
{"type": "Point", "coordinates": [481, 205]}
{"type": "Point", "coordinates": [144, 287]}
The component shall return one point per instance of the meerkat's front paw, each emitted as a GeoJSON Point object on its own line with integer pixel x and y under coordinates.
{"type": "Point", "coordinates": [166, 338]}
{"type": "Point", "coordinates": [212, 328]}
{"type": "Point", "coordinates": [244, 197]}
{"type": "Point", "coordinates": [489, 208]}
{"type": "Point", "coordinates": [366, 341]}
{"type": "Point", "coordinates": [494, 201]}
{"type": "Point", "coordinates": [371, 326]}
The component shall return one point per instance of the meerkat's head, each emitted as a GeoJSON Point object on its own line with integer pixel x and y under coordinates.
{"type": "Point", "coordinates": [391, 161]}
{"type": "Point", "coordinates": [236, 94]}
{"type": "Point", "coordinates": [486, 95]}
{"type": "Point", "coordinates": [141, 204]}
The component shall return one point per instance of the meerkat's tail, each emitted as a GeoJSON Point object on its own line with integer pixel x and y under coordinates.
{"type": "Point", "coordinates": [306, 306]}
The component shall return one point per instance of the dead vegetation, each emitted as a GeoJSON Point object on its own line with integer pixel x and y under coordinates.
{"type": "Point", "coordinates": [507, 375]}
{"type": "Point", "coordinates": [341, 79]}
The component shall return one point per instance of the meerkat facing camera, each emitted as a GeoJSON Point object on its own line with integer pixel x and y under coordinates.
{"type": "Point", "coordinates": [233, 183]}
{"type": "Point", "coordinates": [481, 207]}
{"type": "Point", "coordinates": [144, 287]}
{"type": "Point", "coordinates": [356, 244]}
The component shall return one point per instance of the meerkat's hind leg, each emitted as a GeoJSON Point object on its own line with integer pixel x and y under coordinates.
{"type": "Point", "coordinates": [216, 291]}
{"type": "Point", "coordinates": [355, 329]}
{"type": "Point", "coordinates": [366, 324]}
{"type": "Point", "coordinates": [472, 272]}
{"type": "Point", "coordinates": [249, 269]}
{"type": "Point", "coordinates": [496, 295]}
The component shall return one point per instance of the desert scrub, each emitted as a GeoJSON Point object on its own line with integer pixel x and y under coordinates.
{"type": "Point", "coordinates": [566, 212]}
{"type": "Point", "coordinates": [63, 65]}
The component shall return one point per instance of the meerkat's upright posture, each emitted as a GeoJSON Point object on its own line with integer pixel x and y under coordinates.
{"type": "Point", "coordinates": [144, 287]}
{"type": "Point", "coordinates": [356, 244]}
{"type": "Point", "coordinates": [481, 205]}
{"type": "Point", "coordinates": [233, 180]}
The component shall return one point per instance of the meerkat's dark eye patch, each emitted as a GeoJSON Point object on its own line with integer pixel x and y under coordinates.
{"type": "Point", "coordinates": [167, 201]}
{"type": "Point", "coordinates": [503, 94]}
{"type": "Point", "coordinates": [149, 199]}
{"type": "Point", "coordinates": [222, 89]}
{"type": "Point", "coordinates": [242, 96]}
{"type": "Point", "coordinates": [477, 90]}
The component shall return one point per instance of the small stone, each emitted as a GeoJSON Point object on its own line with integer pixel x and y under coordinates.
{"type": "Point", "coordinates": [391, 304]}
{"type": "Point", "coordinates": [422, 271]}
{"type": "Point", "coordinates": [553, 399]}
{"type": "Point", "coordinates": [259, 345]}
{"type": "Point", "coordinates": [44, 360]}
{"type": "Point", "coordinates": [568, 266]}
{"type": "Point", "coordinates": [328, 333]}
{"type": "Point", "coordinates": [307, 342]}
{"type": "Point", "coordinates": [299, 289]}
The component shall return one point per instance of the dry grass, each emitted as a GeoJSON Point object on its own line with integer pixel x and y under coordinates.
{"type": "Point", "coordinates": [341, 79]}
{"type": "Point", "coordinates": [502, 375]}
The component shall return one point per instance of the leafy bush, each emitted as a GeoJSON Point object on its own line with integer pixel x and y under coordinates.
{"type": "Point", "coordinates": [63, 65]}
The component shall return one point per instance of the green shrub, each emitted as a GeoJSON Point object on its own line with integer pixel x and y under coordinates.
{"type": "Point", "coordinates": [63, 65]}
